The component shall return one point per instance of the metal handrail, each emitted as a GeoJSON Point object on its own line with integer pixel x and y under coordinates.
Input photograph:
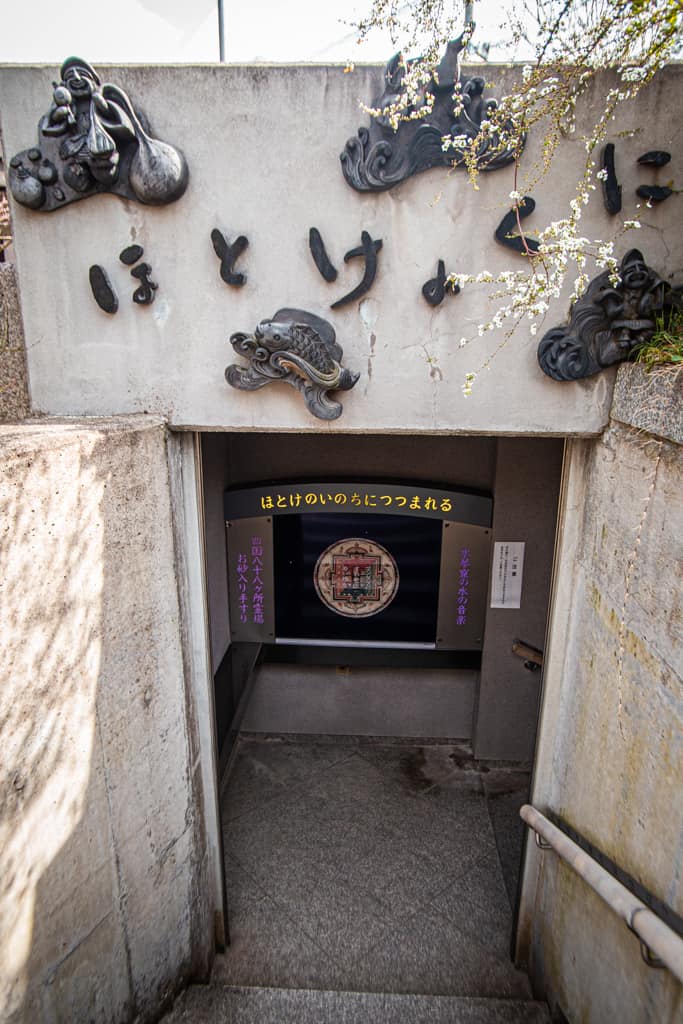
{"type": "Point", "coordinates": [653, 933]}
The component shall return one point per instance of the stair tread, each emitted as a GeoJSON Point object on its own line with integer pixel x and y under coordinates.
{"type": "Point", "coordinates": [224, 1004]}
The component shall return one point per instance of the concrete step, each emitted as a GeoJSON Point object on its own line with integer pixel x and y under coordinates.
{"type": "Point", "coordinates": [217, 1004]}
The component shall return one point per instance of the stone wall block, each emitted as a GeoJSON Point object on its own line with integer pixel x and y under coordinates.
{"type": "Point", "coordinates": [611, 736]}
{"type": "Point", "coordinates": [103, 877]}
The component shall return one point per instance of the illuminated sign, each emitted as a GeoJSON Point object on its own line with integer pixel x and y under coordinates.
{"type": "Point", "coordinates": [360, 563]}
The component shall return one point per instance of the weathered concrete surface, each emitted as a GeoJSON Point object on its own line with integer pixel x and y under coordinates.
{"type": "Point", "coordinates": [353, 701]}
{"type": "Point", "coordinates": [102, 892]}
{"type": "Point", "coordinates": [611, 740]}
{"type": "Point", "coordinates": [190, 560]}
{"type": "Point", "coordinates": [14, 400]}
{"type": "Point", "coordinates": [263, 147]}
{"type": "Point", "coordinates": [650, 401]}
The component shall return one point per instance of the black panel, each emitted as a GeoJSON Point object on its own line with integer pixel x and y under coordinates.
{"type": "Point", "coordinates": [370, 657]}
{"type": "Point", "coordinates": [414, 543]}
{"type": "Point", "coordinates": [224, 700]}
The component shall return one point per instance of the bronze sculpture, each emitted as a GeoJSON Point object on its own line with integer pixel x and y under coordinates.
{"type": "Point", "coordinates": [299, 348]}
{"type": "Point", "coordinates": [93, 140]}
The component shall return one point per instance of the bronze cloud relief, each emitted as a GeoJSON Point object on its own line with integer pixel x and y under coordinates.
{"type": "Point", "coordinates": [379, 157]}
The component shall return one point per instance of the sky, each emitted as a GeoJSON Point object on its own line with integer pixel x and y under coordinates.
{"type": "Point", "coordinates": [186, 31]}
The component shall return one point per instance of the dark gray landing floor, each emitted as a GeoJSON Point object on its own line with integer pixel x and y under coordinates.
{"type": "Point", "coordinates": [370, 867]}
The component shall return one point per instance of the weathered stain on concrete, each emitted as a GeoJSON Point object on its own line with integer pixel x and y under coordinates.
{"type": "Point", "coordinates": [650, 401]}
{"type": "Point", "coordinates": [611, 739]}
{"type": "Point", "coordinates": [634, 645]}
{"type": "Point", "coordinates": [100, 837]}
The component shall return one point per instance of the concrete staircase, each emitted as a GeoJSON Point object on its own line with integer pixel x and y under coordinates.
{"type": "Point", "coordinates": [216, 1004]}
{"type": "Point", "coordinates": [365, 885]}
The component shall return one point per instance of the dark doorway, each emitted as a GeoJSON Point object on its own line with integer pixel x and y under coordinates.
{"type": "Point", "coordinates": [377, 862]}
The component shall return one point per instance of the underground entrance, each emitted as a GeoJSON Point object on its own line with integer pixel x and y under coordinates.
{"type": "Point", "coordinates": [372, 757]}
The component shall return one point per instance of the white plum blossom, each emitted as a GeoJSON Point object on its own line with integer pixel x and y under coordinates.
{"type": "Point", "coordinates": [631, 41]}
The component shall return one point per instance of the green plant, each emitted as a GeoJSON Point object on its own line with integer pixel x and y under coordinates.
{"type": "Point", "coordinates": [665, 347]}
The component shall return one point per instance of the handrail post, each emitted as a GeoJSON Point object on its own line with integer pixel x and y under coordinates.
{"type": "Point", "coordinates": [654, 933]}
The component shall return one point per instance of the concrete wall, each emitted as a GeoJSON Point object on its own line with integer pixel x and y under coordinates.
{"type": "Point", "coordinates": [611, 740]}
{"type": "Point", "coordinates": [105, 881]}
{"type": "Point", "coordinates": [526, 491]}
{"type": "Point", "coordinates": [215, 478]}
{"type": "Point", "coordinates": [347, 700]}
{"type": "Point", "coordinates": [263, 146]}
{"type": "Point", "coordinates": [105, 903]}
{"type": "Point", "coordinates": [452, 461]}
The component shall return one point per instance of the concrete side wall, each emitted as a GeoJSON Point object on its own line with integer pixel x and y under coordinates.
{"type": "Point", "coordinates": [611, 739]}
{"type": "Point", "coordinates": [526, 490]}
{"type": "Point", "coordinates": [360, 701]}
{"type": "Point", "coordinates": [216, 477]}
{"type": "Point", "coordinates": [103, 903]}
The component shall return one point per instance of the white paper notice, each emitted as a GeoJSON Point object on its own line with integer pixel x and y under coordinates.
{"type": "Point", "coordinates": [508, 568]}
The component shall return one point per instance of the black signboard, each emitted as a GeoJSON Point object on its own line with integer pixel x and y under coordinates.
{"type": "Point", "coordinates": [406, 550]}
{"type": "Point", "coordinates": [358, 498]}
{"type": "Point", "coordinates": [358, 563]}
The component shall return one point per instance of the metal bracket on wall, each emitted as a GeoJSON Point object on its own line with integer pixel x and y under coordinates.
{"type": "Point", "coordinates": [533, 658]}
{"type": "Point", "coordinates": [649, 958]}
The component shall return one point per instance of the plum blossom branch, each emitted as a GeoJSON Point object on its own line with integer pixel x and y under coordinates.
{"type": "Point", "coordinates": [575, 40]}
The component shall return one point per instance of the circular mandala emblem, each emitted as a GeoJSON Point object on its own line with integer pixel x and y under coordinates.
{"type": "Point", "coordinates": [356, 577]}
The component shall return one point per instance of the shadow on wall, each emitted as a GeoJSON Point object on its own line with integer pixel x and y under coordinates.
{"type": "Point", "coordinates": [101, 861]}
